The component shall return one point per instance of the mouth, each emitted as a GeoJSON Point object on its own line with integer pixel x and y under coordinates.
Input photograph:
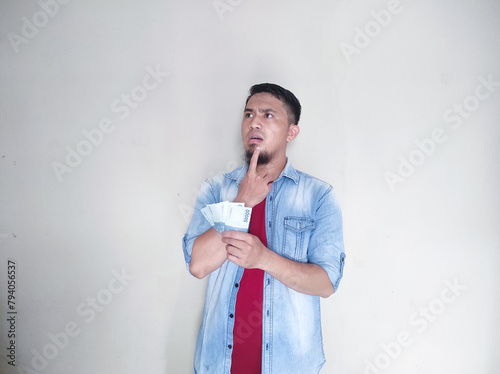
{"type": "Point", "coordinates": [255, 139]}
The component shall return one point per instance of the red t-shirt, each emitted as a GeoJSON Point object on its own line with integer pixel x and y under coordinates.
{"type": "Point", "coordinates": [247, 332]}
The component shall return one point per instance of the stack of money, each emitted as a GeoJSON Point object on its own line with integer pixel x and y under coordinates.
{"type": "Point", "coordinates": [228, 216]}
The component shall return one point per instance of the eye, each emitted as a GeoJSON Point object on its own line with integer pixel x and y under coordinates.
{"type": "Point", "coordinates": [248, 115]}
{"type": "Point", "coordinates": [268, 115]}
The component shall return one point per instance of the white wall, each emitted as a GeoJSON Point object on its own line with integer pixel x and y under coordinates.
{"type": "Point", "coordinates": [124, 206]}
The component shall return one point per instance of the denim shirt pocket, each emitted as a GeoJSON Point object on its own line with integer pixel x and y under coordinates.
{"type": "Point", "coordinates": [296, 237]}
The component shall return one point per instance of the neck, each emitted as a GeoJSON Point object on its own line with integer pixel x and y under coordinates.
{"type": "Point", "coordinates": [275, 167]}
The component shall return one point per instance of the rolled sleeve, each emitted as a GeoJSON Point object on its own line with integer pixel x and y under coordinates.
{"type": "Point", "coordinates": [198, 224]}
{"type": "Point", "coordinates": [326, 246]}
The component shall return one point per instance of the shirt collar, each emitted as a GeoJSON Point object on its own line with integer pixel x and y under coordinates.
{"type": "Point", "coordinates": [287, 172]}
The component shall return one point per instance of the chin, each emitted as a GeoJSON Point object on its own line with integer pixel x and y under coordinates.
{"type": "Point", "coordinates": [264, 156]}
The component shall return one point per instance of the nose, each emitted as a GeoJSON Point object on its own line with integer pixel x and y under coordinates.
{"type": "Point", "coordinates": [255, 123]}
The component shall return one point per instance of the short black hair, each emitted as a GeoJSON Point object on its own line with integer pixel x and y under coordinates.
{"type": "Point", "coordinates": [291, 103]}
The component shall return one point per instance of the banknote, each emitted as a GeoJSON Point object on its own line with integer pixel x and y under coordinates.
{"type": "Point", "coordinates": [238, 218]}
{"type": "Point", "coordinates": [228, 216]}
{"type": "Point", "coordinates": [208, 215]}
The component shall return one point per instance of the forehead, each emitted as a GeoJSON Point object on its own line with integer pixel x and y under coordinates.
{"type": "Point", "coordinates": [264, 100]}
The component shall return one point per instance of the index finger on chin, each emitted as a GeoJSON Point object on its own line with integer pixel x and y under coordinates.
{"type": "Point", "coordinates": [254, 159]}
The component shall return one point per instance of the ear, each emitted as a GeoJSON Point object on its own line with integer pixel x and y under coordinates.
{"type": "Point", "coordinates": [293, 132]}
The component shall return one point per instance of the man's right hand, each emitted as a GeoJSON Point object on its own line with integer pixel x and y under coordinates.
{"type": "Point", "coordinates": [255, 186]}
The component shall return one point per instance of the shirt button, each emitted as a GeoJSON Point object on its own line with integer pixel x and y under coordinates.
{"type": "Point", "coordinates": [230, 346]}
{"type": "Point", "coordinates": [236, 285]}
{"type": "Point", "coordinates": [231, 315]}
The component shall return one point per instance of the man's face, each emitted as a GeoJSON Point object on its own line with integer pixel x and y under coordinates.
{"type": "Point", "coordinates": [265, 124]}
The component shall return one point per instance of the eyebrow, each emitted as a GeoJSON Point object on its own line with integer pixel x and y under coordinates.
{"type": "Point", "coordinates": [260, 110]}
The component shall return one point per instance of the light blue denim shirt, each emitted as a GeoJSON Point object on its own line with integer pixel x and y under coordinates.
{"type": "Point", "coordinates": [303, 223]}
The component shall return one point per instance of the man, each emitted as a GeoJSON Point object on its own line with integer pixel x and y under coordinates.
{"type": "Point", "coordinates": [262, 306]}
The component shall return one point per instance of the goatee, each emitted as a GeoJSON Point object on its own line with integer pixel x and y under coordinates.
{"type": "Point", "coordinates": [264, 157]}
